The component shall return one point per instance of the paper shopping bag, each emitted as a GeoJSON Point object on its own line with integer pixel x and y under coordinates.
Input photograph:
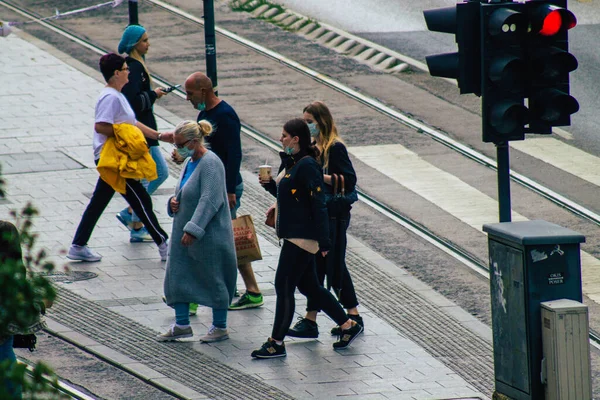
{"type": "Point", "coordinates": [246, 241]}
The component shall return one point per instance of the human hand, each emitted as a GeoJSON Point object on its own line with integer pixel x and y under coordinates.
{"type": "Point", "coordinates": [264, 182]}
{"type": "Point", "coordinates": [174, 205]}
{"type": "Point", "coordinates": [177, 159]}
{"type": "Point", "coordinates": [187, 239]}
{"type": "Point", "coordinates": [324, 253]}
{"type": "Point", "coordinates": [159, 92]}
{"type": "Point", "coordinates": [232, 200]}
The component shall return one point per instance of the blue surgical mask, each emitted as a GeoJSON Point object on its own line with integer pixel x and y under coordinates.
{"type": "Point", "coordinates": [185, 152]}
{"type": "Point", "coordinates": [314, 129]}
{"type": "Point", "coordinates": [201, 106]}
{"type": "Point", "coordinates": [288, 150]}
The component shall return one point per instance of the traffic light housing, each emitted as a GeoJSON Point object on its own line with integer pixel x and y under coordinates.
{"type": "Point", "coordinates": [462, 21]}
{"type": "Point", "coordinates": [503, 71]}
{"type": "Point", "coordinates": [549, 64]}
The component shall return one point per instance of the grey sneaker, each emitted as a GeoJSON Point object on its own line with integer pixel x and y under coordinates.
{"type": "Point", "coordinates": [215, 335]}
{"type": "Point", "coordinates": [83, 253]}
{"type": "Point", "coordinates": [175, 333]}
{"type": "Point", "coordinates": [163, 250]}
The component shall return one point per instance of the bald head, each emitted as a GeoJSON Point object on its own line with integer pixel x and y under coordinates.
{"type": "Point", "coordinates": [197, 81]}
{"type": "Point", "coordinates": [199, 91]}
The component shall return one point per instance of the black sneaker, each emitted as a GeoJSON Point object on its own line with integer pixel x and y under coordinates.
{"type": "Point", "coordinates": [348, 336]}
{"type": "Point", "coordinates": [304, 328]}
{"type": "Point", "coordinates": [270, 349]}
{"type": "Point", "coordinates": [336, 331]}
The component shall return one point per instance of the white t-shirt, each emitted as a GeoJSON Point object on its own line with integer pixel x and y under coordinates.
{"type": "Point", "coordinates": [113, 108]}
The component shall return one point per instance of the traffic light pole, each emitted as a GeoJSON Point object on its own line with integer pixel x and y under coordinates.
{"type": "Point", "coordinates": [502, 150]}
{"type": "Point", "coordinates": [133, 12]}
{"type": "Point", "coordinates": [210, 43]}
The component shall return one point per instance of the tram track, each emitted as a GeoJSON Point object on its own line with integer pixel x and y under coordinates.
{"type": "Point", "coordinates": [406, 222]}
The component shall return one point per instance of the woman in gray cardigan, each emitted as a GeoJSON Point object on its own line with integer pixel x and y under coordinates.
{"type": "Point", "coordinates": [202, 265]}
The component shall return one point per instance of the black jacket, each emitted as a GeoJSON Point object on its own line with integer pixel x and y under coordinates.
{"type": "Point", "coordinates": [339, 163]}
{"type": "Point", "coordinates": [301, 210]}
{"type": "Point", "coordinates": [225, 141]}
{"type": "Point", "coordinates": [140, 95]}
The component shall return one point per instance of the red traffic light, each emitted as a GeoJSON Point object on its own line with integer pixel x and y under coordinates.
{"type": "Point", "coordinates": [548, 20]}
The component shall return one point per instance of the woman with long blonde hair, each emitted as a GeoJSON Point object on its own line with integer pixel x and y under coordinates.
{"type": "Point", "coordinates": [335, 162]}
{"type": "Point", "coordinates": [141, 97]}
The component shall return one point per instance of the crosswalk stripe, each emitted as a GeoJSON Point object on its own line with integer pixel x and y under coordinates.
{"type": "Point", "coordinates": [454, 196]}
{"type": "Point", "coordinates": [568, 158]}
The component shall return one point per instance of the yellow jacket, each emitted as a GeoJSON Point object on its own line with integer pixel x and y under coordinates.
{"type": "Point", "coordinates": [126, 156]}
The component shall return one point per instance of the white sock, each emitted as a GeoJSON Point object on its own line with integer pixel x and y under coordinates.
{"type": "Point", "coordinates": [182, 326]}
{"type": "Point", "coordinates": [279, 342]}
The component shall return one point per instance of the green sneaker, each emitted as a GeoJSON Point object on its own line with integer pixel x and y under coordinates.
{"type": "Point", "coordinates": [247, 301]}
{"type": "Point", "coordinates": [193, 309]}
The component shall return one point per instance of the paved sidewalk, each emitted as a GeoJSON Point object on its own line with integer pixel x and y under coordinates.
{"type": "Point", "coordinates": [46, 115]}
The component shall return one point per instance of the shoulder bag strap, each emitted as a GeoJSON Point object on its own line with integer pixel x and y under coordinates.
{"type": "Point", "coordinates": [334, 178]}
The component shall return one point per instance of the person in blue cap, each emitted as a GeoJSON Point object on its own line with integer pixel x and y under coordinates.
{"type": "Point", "coordinates": [141, 97]}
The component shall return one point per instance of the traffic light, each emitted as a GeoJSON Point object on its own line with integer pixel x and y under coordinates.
{"type": "Point", "coordinates": [549, 64]}
{"type": "Point", "coordinates": [464, 65]}
{"type": "Point", "coordinates": [503, 71]}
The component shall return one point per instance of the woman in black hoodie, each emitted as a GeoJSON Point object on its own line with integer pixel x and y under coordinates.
{"type": "Point", "coordinates": [302, 223]}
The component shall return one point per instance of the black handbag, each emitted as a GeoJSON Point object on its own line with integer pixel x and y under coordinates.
{"type": "Point", "coordinates": [340, 202]}
{"type": "Point", "coordinates": [25, 341]}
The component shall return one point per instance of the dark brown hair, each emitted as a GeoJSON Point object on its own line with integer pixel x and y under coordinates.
{"type": "Point", "coordinates": [297, 127]}
{"type": "Point", "coordinates": [109, 63]}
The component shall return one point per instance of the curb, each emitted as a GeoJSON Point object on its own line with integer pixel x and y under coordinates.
{"type": "Point", "coordinates": [362, 50]}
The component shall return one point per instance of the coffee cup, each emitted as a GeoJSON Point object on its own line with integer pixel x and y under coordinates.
{"type": "Point", "coordinates": [264, 171]}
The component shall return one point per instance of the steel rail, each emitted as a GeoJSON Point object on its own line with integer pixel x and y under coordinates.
{"type": "Point", "coordinates": [420, 230]}
{"type": "Point", "coordinates": [63, 387]}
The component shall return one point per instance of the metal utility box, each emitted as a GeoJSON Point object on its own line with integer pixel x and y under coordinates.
{"type": "Point", "coordinates": [566, 367]}
{"type": "Point", "coordinates": [530, 262]}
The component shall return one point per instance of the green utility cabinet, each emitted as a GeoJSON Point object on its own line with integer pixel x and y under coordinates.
{"type": "Point", "coordinates": [530, 262]}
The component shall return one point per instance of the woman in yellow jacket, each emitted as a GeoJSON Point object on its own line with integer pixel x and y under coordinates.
{"type": "Point", "coordinates": [112, 109]}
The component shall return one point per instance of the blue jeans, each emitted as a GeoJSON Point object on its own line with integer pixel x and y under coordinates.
{"type": "Point", "coordinates": [7, 353]}
{"type": "Point", "coordinates": [182, 316]}
{"type": "Point", "coordinates": [239, 190]}
{"type": "Point", "coordinates": [162, 170]}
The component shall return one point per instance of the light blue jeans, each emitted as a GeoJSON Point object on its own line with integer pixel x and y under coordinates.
{"type": "Point", "coordinates": [182, 315]}
{"type": "Point", "coordinates": [162, 170]}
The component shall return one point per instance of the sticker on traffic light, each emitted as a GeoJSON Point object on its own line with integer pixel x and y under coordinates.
{"type": "Point", "coordinates": [464, 65]}
{"type": "Point", "coordinates": [549, 65]}
{"type": "Point", "coordinates": [504, 72]}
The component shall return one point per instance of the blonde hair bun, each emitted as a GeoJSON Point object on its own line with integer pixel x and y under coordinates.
{"type": "Point", "coordinates": [206, 127]}
{"type": "Point", "coordinates": [194, 130]}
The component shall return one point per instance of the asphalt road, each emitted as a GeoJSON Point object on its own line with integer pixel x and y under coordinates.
{"type": "Point", "coordinates": [399, 25]}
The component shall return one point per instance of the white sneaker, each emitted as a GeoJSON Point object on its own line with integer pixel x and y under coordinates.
{"type": "Point", "coordinates": [83, 253]}
{"type": "Point", "coordinates": [175, 333]}
{"type": "Point", "coordinates": [215, 335]}
{"type": "Point", "coordinates": [163, 250]}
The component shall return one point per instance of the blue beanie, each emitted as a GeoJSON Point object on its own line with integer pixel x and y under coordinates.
{"type": "Point", "coordinates": [131, 35]}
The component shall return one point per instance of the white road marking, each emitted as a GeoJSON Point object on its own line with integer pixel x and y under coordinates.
{"type": "Point", "coordinates": [568, 158]}
{"type": "Point", "coordinates": [455, 196]}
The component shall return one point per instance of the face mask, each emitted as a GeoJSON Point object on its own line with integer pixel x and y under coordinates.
{"type": "Point", "coordinates": [185, 152]}
{"type": "Point", "coordinates": [288, 150]}
{"type": "Point", "coordinates": [201, 106]}
{"type": "Point", "coordinates": [314, 129]}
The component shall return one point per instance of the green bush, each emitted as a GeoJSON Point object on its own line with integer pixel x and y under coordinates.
{"type": "Point", "coordinates": [24, 293]}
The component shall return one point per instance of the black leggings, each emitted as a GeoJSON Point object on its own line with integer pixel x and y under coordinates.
{"type": "Point", "coordinates": [137, 197]}
{"type": "Point", "coordinates": [297, 269]}
{"type": "Point", "coordinates": [347, 295]}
